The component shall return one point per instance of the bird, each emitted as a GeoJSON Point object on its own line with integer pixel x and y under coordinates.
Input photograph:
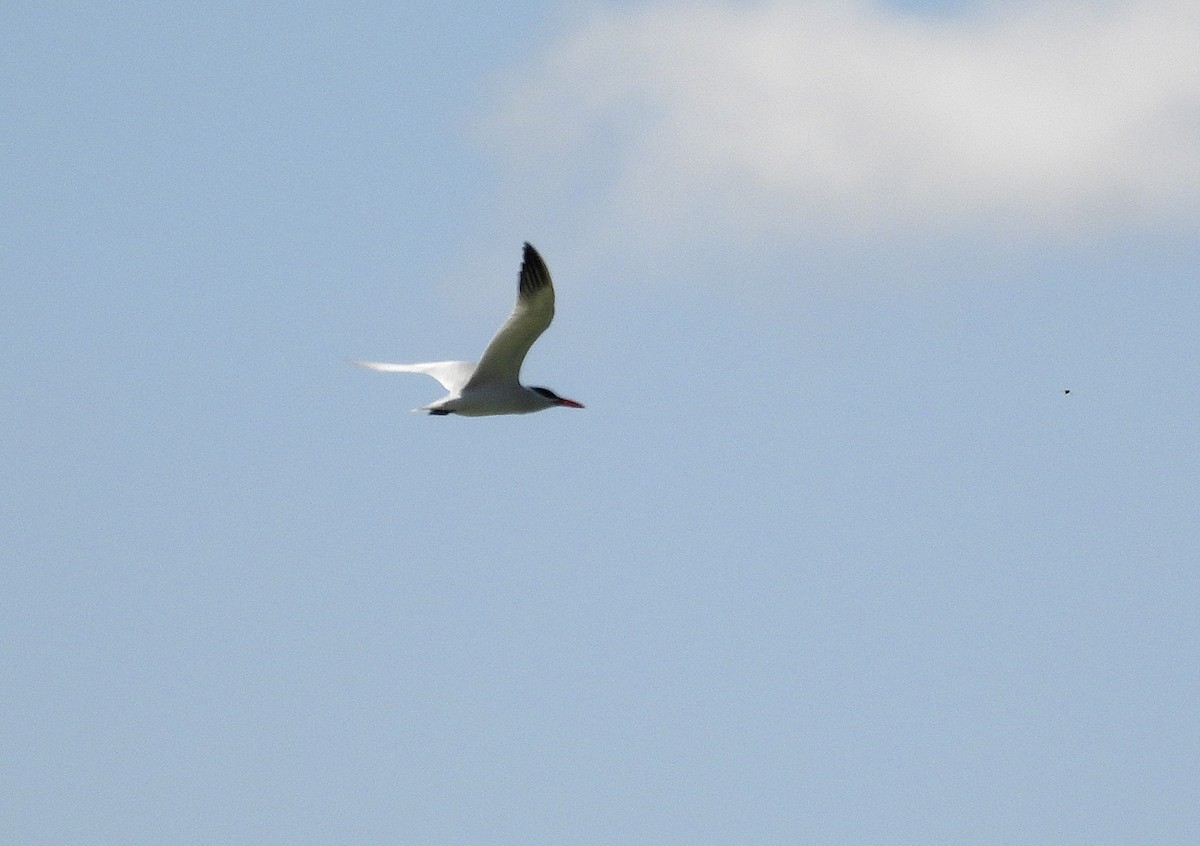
{"type": "Point", "coordinates": [493, 385]}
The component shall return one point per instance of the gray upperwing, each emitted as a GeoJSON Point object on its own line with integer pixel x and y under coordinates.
{"type": "Point", "coordinates": [501, 361]}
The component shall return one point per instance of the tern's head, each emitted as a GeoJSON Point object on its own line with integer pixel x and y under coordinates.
{"type": "Point", "coordinates": [555, 399]}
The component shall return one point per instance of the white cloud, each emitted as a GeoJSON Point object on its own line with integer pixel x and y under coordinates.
{"type": "Point", "coordinates": [830, 117]}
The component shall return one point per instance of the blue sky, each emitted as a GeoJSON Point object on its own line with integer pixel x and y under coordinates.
{"type": "Point", "coordinates": [830, 556]}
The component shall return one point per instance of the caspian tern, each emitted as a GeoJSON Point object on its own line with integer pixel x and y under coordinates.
{"type": "Point", "coordinates": [492, 386]}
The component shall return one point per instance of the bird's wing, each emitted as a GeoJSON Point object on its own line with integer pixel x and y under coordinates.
{"type": "Point", "coordinates": [501, 361]}
{"type": "Point", "coordinates": [452, 374]}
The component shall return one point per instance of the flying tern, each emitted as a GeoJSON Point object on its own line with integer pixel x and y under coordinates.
{"type": "Point", "coordinates": [492, 386]}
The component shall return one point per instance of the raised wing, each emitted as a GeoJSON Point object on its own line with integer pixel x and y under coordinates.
{"type": "Point", "coordinates": [453, 375]}
{"type": "Point", "coordinates": [501, 361]}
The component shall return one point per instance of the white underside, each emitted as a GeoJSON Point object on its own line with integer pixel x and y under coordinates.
{"type": "Point", "coordinates": [487, 400]}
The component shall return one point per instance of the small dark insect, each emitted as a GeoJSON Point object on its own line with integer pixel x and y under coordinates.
{"type": "Point", "coordinates": [1066, 390]}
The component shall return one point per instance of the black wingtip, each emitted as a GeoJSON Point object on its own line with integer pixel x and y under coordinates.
{"type": "Point", "coordinates": [534, 273]}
